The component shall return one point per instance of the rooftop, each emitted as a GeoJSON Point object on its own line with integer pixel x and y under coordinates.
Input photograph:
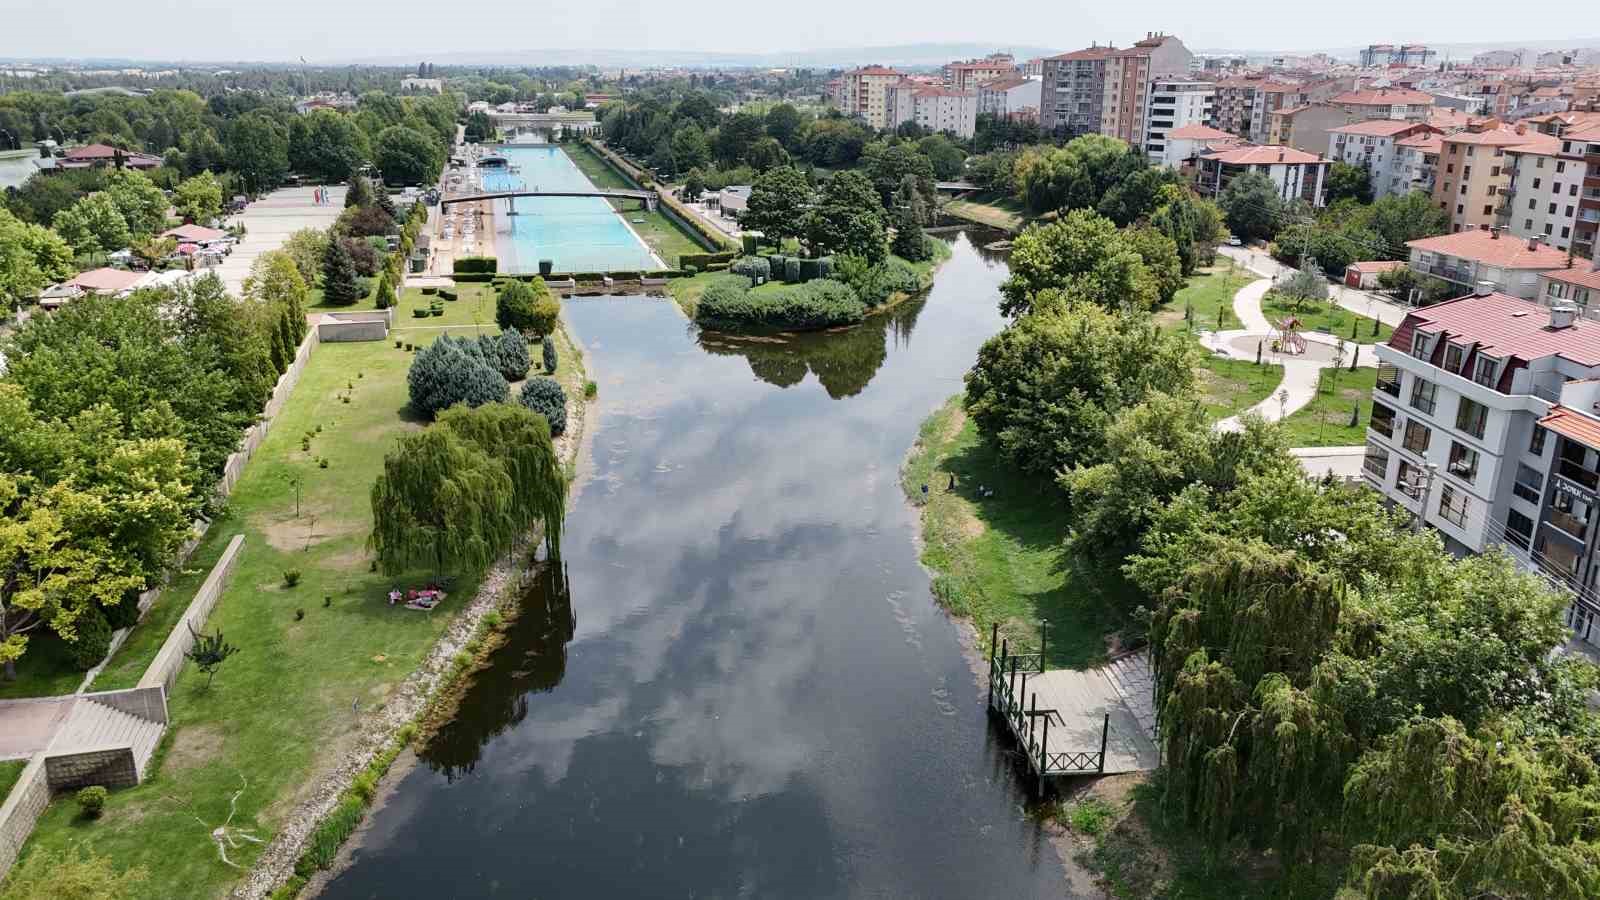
{"type": "Point", "coordinates": [1005, 83]}
{"type": "Point", "coordinates": [1198, 133]}
{"type": "Point", "coordinates": [1586, 276]}
{"type": "Point", "coordinates": [1495, 137]}
{"type": "Point", "coordinates": [1376, 265]}
{"type": "Point", "coordinates": [1378, 127]}
{"type": "Point", "coordinates": [1495, 249]}
{"type": "Point", "coordinates": [106, 280]}
{"type": "Point", "coordinates": [1384, 97]}
{"type": "Point", "coordinates": [1573, 424]}
{"type": "Point", "coordinates": [198, 234]}
{"type": "Point", "coordinates": [1427, 142]}
{"type": "Point", "coordinates": [1261, 156]}
{"type": "Point", "coordinates": [1503, 325]}
{"type": "Point", "coordinates": [1090, 53]}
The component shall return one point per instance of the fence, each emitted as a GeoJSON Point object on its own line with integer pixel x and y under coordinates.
{"type": "Point", "coordinates": [1009, 698]}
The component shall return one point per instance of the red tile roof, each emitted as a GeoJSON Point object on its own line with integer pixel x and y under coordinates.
{"type": "Point", "coordinates": [1541, 145]}
{"type": "Point", "coordinates": [1261, 156]}
{"type": "Point", "coordinates": [1495, 137]}
{"type": "Point", "coordinates": [1377, 265]}
{"type": "Point", "coordinates": [1377, 127]}
{"type": "Point", "coordinates": [195, 233]}
{"type": "Point", "coordinates": [1004, 83]}
{"type": "Point", "coordinates": [1198, 133]}
{"type": "Point", "coordinates": [1503, 325]}
{"type": "Point", "coordinates": [1504, 251]}
{"type": "Point", "coordinates": [1384, 97]}
{"type": "Point", "coordinates": [1573, 424]}
{"type": "Point", "coordinates": [106, 280]}
{"type": "Point", "coordinates": [1090, 53]}
{"type": "Point", "coordinates": [1581, 274]}
{"type": "Point", "coordinates": [1427, 143]}
{"type": "Point", "coordinates": [873, 70]}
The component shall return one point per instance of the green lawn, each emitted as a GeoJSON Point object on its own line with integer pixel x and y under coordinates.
{"type": "Point", "coordinates": [1001, 559]}
{"type": "Point", "coordinates": [312, 658]}
{"type": "Point", "coordinates": [664, 236]}
{"type": "Point", "coordinates": [1325, 422]}
{"type": "Point", "coordinates": [1005, 213]}
{"type": "Point", "coordinates": [1325, 316]}
{"type": "Point", "coordinates": [1208, 292]}
{"type": "Point", "coordinates": [10, 771]}
{"type": "Point", "coordinates": [1228, 387]}
{"type": "Point", "coordinates": [45, 670]}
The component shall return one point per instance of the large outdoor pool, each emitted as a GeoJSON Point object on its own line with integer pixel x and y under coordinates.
{"type": "Point", "coordinates": [577, 234]}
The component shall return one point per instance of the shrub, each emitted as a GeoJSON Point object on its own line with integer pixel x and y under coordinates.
{"type": "Point", "coordinates": [447, 295]}
{"type": "Point", "coordinates": [819, 304]}
{"type": "Point", "coordinates": [702, 260]}
{"type": "Point", "coordinates": [474, 265]}
{"type": "Point", "coordinates": [93, 641]}
{"type": "Point", "coordinates": [418, 312]}
{"type": "Point", "coordinates": [548, 353]}
{"type": "Point", "coordinates": [752, 267]}
{"type": "Point", "coordinates": [91, 801]}
{"type": "Point", "coordinates": [590, 389]}
{"type": "Point", "coordinates": [545, 397]}
{"type": "Point", "coordinates": [453, 370]}
{"type": "Point", "coordinates": [791, 270]}
{"type": "Point", "coordinates": [291, 577]}
{"type": "Point", "coordinates": [508, 353]}
{"type": "Point", "coordinates": [691, 270]}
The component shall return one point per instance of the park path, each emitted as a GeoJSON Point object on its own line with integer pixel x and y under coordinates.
{"type": "Point", "coordinates": [1363, 303]}
{"type": "Point", "coordinates": [268, 223]}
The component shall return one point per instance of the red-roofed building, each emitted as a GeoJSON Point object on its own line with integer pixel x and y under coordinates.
{"type": "Point", "coordinates": [1579, 286]}
{"type": "Point", "coordinates": [1542, 194]}
{"type": "Point", "coordinates": [1182, 145]}
{"type": "Point", "coordinates": [966, 76]}
{"type": "Point", "coordinates": [1374, 146]}
{"type": "Point", "coordinates": [1009, 97]}
{"type": "Point", "coordinates": [103, 155]}
{"type": "Point", "coordinates": [1475, 172]}
{"type": "Point", "coordinates": [1364, 275]}
{"type": "Point", "coordinates": [1105, 90]}
{"type": "Point", "coordinates": [1417, 159]}
{"type": "Point", "coordinates": [1468, 259]}
{"type": "Point", "coordinates": [1295, 173]}
{"type": "Point", "coordinates": [1385, 103]}
{"type": "Point", "coordinates": [113, 282]}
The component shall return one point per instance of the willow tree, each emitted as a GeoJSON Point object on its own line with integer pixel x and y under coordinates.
{"type": "Point", "coordinates": [441, 501]}
{"type": "Point", "coordinates": [519, 440]}
{"type": "Point", "coordinates": [1252, 750]}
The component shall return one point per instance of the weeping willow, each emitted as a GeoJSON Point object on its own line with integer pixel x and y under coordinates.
{"type": "Point", "coordinates": [458, 495]}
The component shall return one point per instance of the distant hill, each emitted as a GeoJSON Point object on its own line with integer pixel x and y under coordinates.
{"type": "Point", "coordinates": [906, 55]}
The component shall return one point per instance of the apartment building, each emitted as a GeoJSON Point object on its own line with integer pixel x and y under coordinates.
{"type": "Point", "coordinates": [1106, 90]}
{"type": "Point", "coordinates": [1581, 146]}
{"type": "Point", "coordinates": [1175, 104]}
{"type": "Point", "coordinates": [1374, 145]}
{"type": "Point", "coordinates": [1578, 286]}
{"type": "Point", "coordinates": [1385, 55]}
{"type": "Point", "coordinates": [1470, 259]}
{"type": "Point", "coordinates": [1232, 104]}
{"type": "Point", "coordinates": [1014, 95]}
{"type": "Point", "coordinates": [1072, 91]}
{"type": "Point", "coordinates": [1269, 98]}
{"type": "Point", "coordinates": [966, 76]}
{"type": "Point", "coordinates": [1541, 196]}
{"type": "Point", "coordinates": [1417, 159]}
{"type": "Point", "coordinates": [1475, 175]}
{"type": "Point", "coordinates": [865, 91]}
{"type": "Point", "coordinates": [942, 109]}
{"type": "Point", "coordinates": [1182, 145]}
{"type": "Point", "coordinates": [1296, 174]}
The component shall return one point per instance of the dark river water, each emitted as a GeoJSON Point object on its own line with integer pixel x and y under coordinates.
{"type": "Point", "coordinates": [740, 685]}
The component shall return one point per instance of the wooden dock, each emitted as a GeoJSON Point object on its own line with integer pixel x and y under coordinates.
{"type": "Point", "coordinates": [1069, 722]}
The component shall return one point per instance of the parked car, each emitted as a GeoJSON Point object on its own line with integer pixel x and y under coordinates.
{"type": "Point", "coordinates": [1234, 242]}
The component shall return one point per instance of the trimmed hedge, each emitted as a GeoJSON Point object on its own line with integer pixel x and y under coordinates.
{"type": "Point", "coordinates": [472, 265]}
{"type": "Point", "coordinates": [466, 277]}
{"type": "Point", "coordinates": [752, 267]}
{"type": "Point", "coordinates": [706, 260]}
{"type": "Point", "coordinates": [729, 303]}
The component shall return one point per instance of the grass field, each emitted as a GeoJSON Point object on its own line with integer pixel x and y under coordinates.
{"type": "Point", "coordinates": [1001, 559]}
{"type": "Point", "coordinates": [1228, 387]}
{"type": "Point", "coordinates": [312, 658]}
{"type": "Point", "coordinates": [663, 235]}
{"type": "Point", "coordinates": [10, 771]}
{"type": "Point", "coordinates": [1325, 421]}
{"type": "Point", "coordinates": [1005, 213]}
{"type": "Point", "coordinates": [1208, 292]}
{"type": "Point", "coordinates": [1325, 316]}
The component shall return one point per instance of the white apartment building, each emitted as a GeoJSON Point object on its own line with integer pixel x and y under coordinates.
{"type": "Point", "coordinates": [1417, 159]}
{"type": "Point", "coordinates": [1183, 144]}
{"type": "Point", "coordinates": [1374, 145]}
{"type": "Point", "coordinates": [942, 109]}
{"type": "Point", "coordinates": [1485, 256]}
{"type": "Point", "coordinates": [1015, 95]}
{"type": "Point", "coordinates": [1542, 196]}
{"type": "Point", "coordinates": [1577, 286]}
{"type": "Point", "coordinates": [1175, 104]}
{"type": "Point", "coordinates": [1295, 174]}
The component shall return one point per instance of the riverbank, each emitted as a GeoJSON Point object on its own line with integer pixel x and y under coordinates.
{"type": "Point", "coordinates": [327, 672]}
{"type": "Point", "coordinates": [1004, 213]}
{"type": "Point", "coordinates": [1001, 559]}
{"type": "Point", "coordinates": [664, 236]}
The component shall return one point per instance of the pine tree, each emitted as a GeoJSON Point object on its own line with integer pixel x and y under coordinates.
{"type": "Point", "coordinates": [549, 355]}
{"type": "Point", "coordinates": [339, 283]}
{"type": "Point", "coordinates": [910, 243]}
{"type": "Point", "coordinates": [385, 294]}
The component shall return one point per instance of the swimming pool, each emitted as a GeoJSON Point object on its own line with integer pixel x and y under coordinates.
{"type": "Point", "coordinates": [577, 234]}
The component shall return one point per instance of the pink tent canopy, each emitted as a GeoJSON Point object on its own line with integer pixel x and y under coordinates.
{"type": "Point", "coordinates": [187, 249]}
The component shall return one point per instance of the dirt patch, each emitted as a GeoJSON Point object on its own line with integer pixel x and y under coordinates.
{"type": "Point", "coordinates": [315, 525]}
{"type": "Point", "coordinates": [346, 562]}
{"type": "Point", "coordinates": [193, 746]}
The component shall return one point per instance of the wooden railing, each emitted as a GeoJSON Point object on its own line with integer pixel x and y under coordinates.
{"type": "Point", "coordinates": [1010, 698]}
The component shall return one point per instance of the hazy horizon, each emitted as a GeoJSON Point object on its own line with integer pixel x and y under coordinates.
{"type": "Point", "coordinates": [323, 33]}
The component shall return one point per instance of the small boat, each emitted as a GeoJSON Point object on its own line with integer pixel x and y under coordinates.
{"type": "Point", "coordinates": [998, 245]}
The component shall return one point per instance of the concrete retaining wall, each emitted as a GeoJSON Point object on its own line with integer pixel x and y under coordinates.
{"type": "Point", "coordinates": [148, 703]}
{"type": "Point", "coordinates": [331, 331]}
{"type": "Point", "coordinates": [111, 767]}
{"type": "Point", "coordinates": [169, 661]}
{"type": "Point", "coordinates": [21, 809]}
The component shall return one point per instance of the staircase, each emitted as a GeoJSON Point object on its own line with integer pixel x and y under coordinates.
{"type": "Point", "coordinates": [101, 744]}
{"type": "Point", "coordinates": [1130, 675]}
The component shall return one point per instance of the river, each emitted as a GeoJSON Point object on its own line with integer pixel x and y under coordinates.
{"type": "Point", "coordinates": [740, 685]}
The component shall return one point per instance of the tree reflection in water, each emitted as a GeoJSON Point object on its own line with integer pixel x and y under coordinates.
{"type": "Point", "coordinates": [531, 661]}
{"type": "Point", "coordinates": [843, 359]}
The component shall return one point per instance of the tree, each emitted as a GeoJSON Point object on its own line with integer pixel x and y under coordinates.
{"type": "Point", "coordinates": [784, 126]}
{"type": "Point", "coordinates": [693, 186]}
{"type": "Point", "coordinates": [766, 154]}
{"type": "Point", "coordinates": [848, 218]}
{"type": "Point", "coordinates": [545, 397]}
{"type": "Point", "coordinates": [258, 152]}
{"type": "Point", "coordinates": [360, 194]}
{"type": "Point", "coordinates": [93, 225]}
{"type": "Point", "coordinates": [142, 205]}
{"type": "Point", "coordinates": [1137, 196]}
{"type": "Point", "coordinates": [31, 258]}
{"type": "Point", "coordinates": [1348, 182]}
{"type": "Point", "coordinates": [778, 204]}
{"type": "Point", "coordinates": [199, 199]}
{"type": "Point", "coordinates": [71, 874]}
{"type": "Point", "coordinates": [948, 160]}
{"type": "Point", "coordinates": [888, 165]}
{"type": "Point", "coordinates": [441, 501]}
{"type": "Point", "coordinates": [308, 247]}
{"type": "Point", "coordinates": [1160, 257]}
{"type": "Point", "coordinates": [547, 355]}
{"type": "Point", "coordinates": [328, 145]}
{"type": "Point", "coordinates": [520, 440]}
{"type": "Point", "coordinates": [1045, 389]}
{"type": "Point", "coordinates": [1410, 217]}
{"type": "Point", "coordinates": [453, 370]}
{"type": "Point", "coordinates": [1082, 254]}
{"type": "Point", "coordinates": [690, 149]}
{"type": "Point", "coordinates": [661, 161]}
{"type": "Point", "coordinates": [276, 288]}
{"type": "Point", "coordinates": [735, 136]}
{"type": "Point", "coordinates": [1251, 206]}
{"type": "Point", "coordinates": [406, 156]}
{"type": "Point", "coordinates": [383, 297]}
{"type": "Point", "coordinates": [339, 283]}
{"type": "Point", "coordinates": [909, 242]}
{"type": "Point", "coordinates": [513, 308]}
{"type": "Point", "coordinates": [1075, 176]}
{"type": "Point", "coordinates": [1193, 224]}
{"type": "Point", "coordinates": [208, 652]}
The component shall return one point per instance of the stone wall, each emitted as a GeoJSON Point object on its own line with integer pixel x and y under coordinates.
{"type": "Point", "coordinates": [331, 330]}
{"type": "Point", "coordinates": [149, 703]}
{"type": "Point", "coordinates": [169, 661]}
{"type": "Point", "coordinates": [21, 809]}
{"type": "Point", "coordinates": [111, 767]}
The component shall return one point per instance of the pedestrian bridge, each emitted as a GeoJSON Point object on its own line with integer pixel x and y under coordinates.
{"type": "Point", "coordinates": [647, 198]}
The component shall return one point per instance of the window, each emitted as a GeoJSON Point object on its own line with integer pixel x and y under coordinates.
{"type": "Point", "coordinates": [1471, 417]}
{"type": "Point", "coordinates": [1463, 462]}
{"type": "Point", "coordinates": [1376, 462]}
{"type": "Point", "coordinates": [1529, 485]}
{"type": "Point", "coordinates": [1419, 344]}
{"type": "Point", "coordinates": [1423, 395]}
{"type": "Point", "coordinates": [1382, 420]}
{"type": "Point", "coordinates": [1536, 443]}
{"type": "Point", "coordinates": [1417, 435]}
{"type": "Point", "coordinates": [1494, 171]}
{"type": "Point", "coordinates": [1560, 166]}
{"type": "Point", "coordinates": [1572, 191]}
{"type": "Point", "coordinates": [1552, 209]}
{"type": "Point", "coordinates": [1533, 204]}
{"type": "Point", "coordinates": [1519, 528]}
{"type": "Point", "coordinates": [1453, 354]}
{"type": "Point", "coordinates": [1406, 478]}
{"type": "Point", "coordinates": [1570, 513]}
{"type": "Point", "coordinates": [1466, 171]}
{"type": "Point", "coordinates": [1536, 184]}
{"type": "Point", "coordinates": [1488, 210]}
{"type": "Point", "coordinates": [1555, 188]}
{"type": "Point", "coordinates": [1569, 212]}
{"type": "Point", "coordinates": [1527, 224]}
{"type": "Point", "coordinates": [1566, 232]}
{"type": "Point", "coordinates": [1487, 369]}
{"type": "Point", "coordinates": [1453, 506]}
{"type": "Point", "coordinates": [1460, 208]}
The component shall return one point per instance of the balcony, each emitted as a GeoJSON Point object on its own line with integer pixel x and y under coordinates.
{"type": "Point", "coordinates": [1576, 473]}
{"type": "Point", "coordinates": [1389, 380]}
{"type": "Point", "coordinates": [1589, 215]}
{"type": "Point", "coordinates": [1458, 274]}
{"type": "Point", "coordinates": [1569, 524]}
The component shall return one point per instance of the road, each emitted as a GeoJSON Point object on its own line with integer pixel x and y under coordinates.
{"type": "Point", "coordinates": [268, 223]}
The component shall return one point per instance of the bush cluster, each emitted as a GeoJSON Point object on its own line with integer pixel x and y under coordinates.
{"type": "Point", "coordinates": [545, 397]}
{"type": "Point", "coordinates": [474, 265]}
{"type": "Point", "coordinates": [454, 370]}
{"type": "Point", "coordinates": [508, 353]}
{"type": "Point", "coordinates": [752, 267]}
{"type": "Point", "coordinates": [824, 303]}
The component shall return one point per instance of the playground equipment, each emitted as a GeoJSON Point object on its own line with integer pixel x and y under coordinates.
{"type": "Point", "coordinates": [1286, 337]}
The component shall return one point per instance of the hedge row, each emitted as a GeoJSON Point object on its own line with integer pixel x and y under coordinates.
{"type": "Point", "coordinates": [475, 264]}
{"type": "Point", "coordinates": [703, 260]}
{"type": "Point", "coordinates": [729, 303]}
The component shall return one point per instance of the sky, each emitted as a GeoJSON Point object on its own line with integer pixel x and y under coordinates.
{"type": "Point", "coordinates": [330, 31]}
